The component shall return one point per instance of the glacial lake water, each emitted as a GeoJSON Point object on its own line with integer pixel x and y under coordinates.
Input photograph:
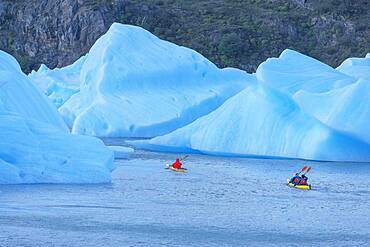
{"type": "Point", "coordinates": [219, 202]}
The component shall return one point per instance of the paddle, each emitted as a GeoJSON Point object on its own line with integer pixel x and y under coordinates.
{"type": "Point", "coordinates": [185, 157]}
{"type": "Point", "coordinates": [303, 169]}
{"type": "Point", "coordinates": [309, 169]}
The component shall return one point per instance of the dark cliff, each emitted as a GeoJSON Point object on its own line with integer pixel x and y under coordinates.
{"type": "Point", "coordinates": [230, 33]}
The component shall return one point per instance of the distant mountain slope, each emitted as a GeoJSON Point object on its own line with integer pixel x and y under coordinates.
{"type": "Point", "coordinates": [235, 33]}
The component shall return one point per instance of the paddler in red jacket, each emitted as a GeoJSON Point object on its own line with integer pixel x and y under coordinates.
{"type": "Point", "coordinates": [177, 164]}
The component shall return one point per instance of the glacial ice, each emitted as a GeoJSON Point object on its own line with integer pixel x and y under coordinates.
{"type": "Point", "coordinates": [356, 67]}
{"type": "Point", "coordinates": [132, 84]}
{"type": "Point", "coordinates": [346, 109]}
{"type": "Point", "coordinates": [59, 84]}
{"type": "Point", "coordinates": [35, 144]}
{"type": "Point", "coordinates": [261, 121]}
{"type": "Point", "coordinates": [121, 152]}
{"type": "Point", "coordinates": [293, 71]}
{"type": "Point", "coordinates": [17, 94]}
{"type": "Point", "coordinates": [338, 98]}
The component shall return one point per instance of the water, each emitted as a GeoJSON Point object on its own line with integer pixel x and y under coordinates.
{"type": "Point", "coordinates": [220, 202]}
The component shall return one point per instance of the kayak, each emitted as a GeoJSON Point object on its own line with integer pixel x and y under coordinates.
{"type": "Point", "coordinates": [302, 187]}
{"type": "Point", "coordinates": [175, 169]}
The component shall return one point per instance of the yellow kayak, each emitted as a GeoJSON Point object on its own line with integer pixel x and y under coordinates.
{"type": "Point", "coordinates": [175, 169]}
{"type": "Point", "coordinates": [302, 187]}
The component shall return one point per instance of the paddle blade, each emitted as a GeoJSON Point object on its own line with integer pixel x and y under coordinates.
{"type": "Point", "coordinates": [309, 168]}
{"type": "Point", "coordinates": [304, 168]}
{"type": "Point", "coordinates": [184, 157]}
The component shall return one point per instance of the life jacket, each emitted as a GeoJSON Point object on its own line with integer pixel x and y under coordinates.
{"type": "Point", "coordinates": [296, 180]}
{"type": "Point", "coordinates": [303, 181]}
{"type": "Point", "coordinates": [177, 164]}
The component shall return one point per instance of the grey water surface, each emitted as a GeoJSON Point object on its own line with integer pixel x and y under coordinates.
{"type": "Point", "coordinates": [219, 202]}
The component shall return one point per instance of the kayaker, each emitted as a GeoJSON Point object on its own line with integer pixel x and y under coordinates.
{"type": "Point", "coordinates": [303, 180]}
{"type": "Point", "coordinates": [177, 164]}
{"type": "Point", "coordinates": [296, 179]}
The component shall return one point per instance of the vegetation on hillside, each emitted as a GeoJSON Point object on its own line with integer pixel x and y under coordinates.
{"type": "Point", "coordinates": [243, 33]}
{"type": "Point", "coordinates": [237, 33]}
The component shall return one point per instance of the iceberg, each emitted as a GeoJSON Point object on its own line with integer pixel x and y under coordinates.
{"type": "Point", "coordinates": [338, 97]}
{"type": "Point", "coordinates": [346, 109]}
{"type": "Point", "coordinates": [17, 94]}
{"type": "Point", "coordinates": [59, 84]}
{"type": "Point", "coordinates": [35, 143]}
{"type": "Point", "coordinates": [133, 84]}
{"type": "Point", "coordinates": [293, 72]}
{"type": "Point", "coordinates": [356, 67]}
{"type": "Point", "coordinates": [261, 121]}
